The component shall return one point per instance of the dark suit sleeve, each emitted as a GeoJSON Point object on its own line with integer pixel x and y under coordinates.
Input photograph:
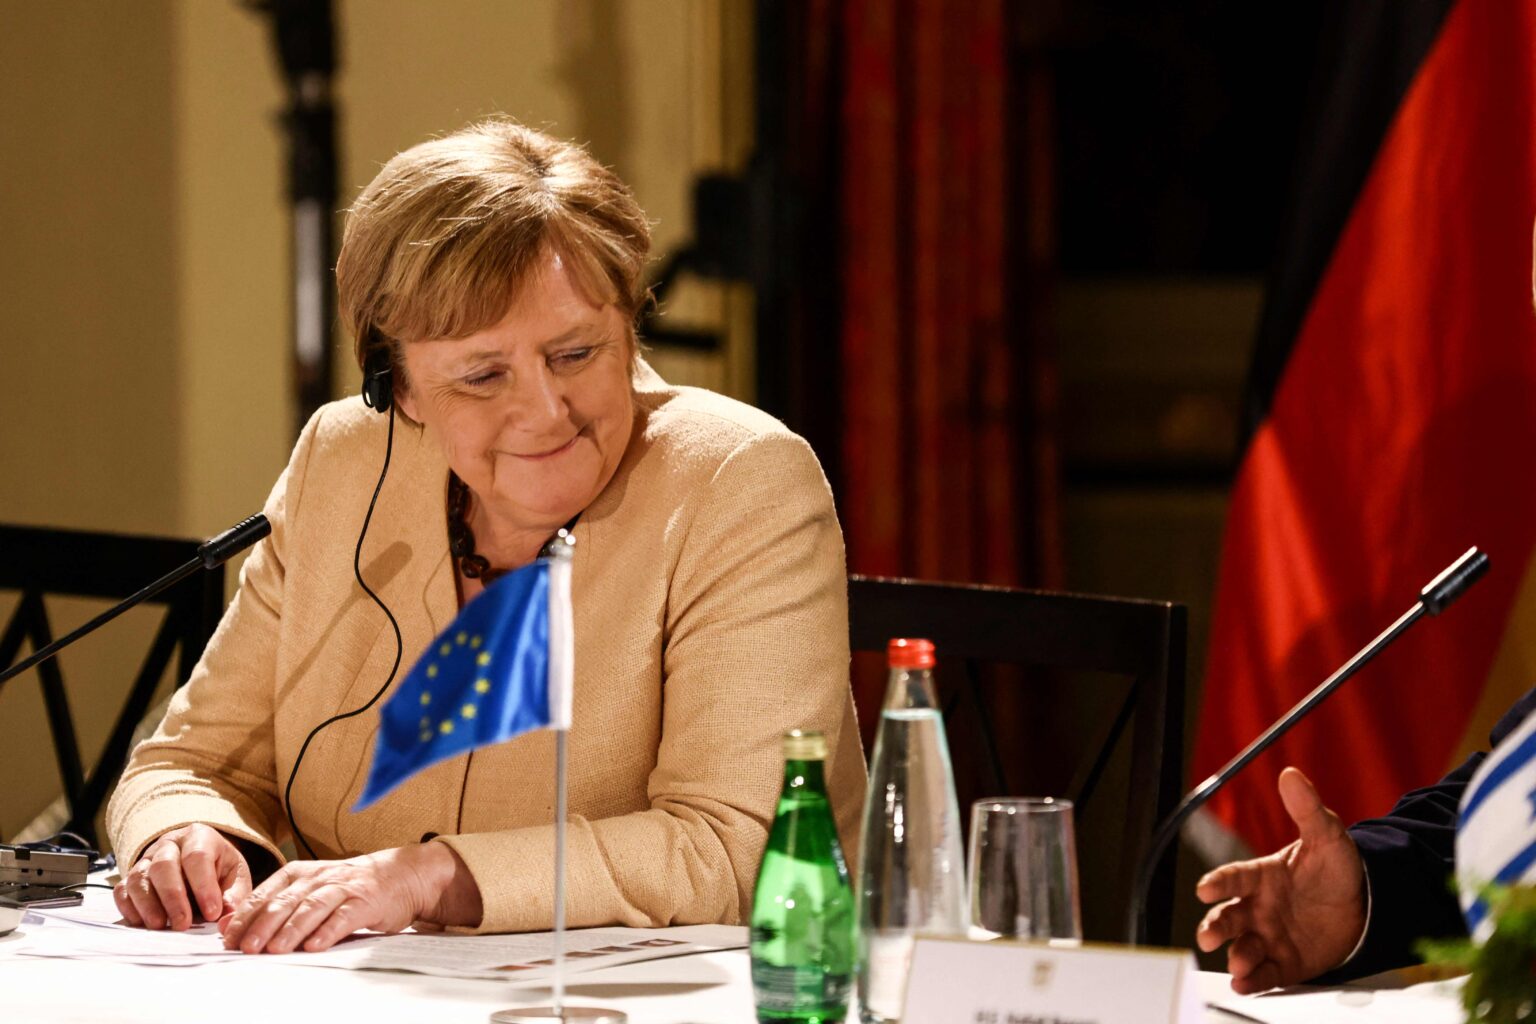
{"type": "Point", "coordinates": [1409, 858]}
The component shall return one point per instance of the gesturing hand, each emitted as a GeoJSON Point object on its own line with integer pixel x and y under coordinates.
{"type": "Point", "coordinates": [195, 859]}
{"type": "Point", "coordinates": [1294, 914]}
{"type": "Point", "coordinates": [314, 904]}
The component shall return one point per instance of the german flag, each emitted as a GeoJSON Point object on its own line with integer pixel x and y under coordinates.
{"type": "Point", "coordinates": [1392, 417]}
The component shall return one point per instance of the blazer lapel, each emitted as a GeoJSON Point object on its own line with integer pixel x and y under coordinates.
{"type": "Point", "coordinates": [409, 524]}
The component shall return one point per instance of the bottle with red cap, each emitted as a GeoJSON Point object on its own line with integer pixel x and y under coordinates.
{"type": "Point", "coordinates": [911, 870]}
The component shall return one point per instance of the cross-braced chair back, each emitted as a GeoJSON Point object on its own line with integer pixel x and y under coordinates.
{"type": "Point", "coordinates": [40, 563]}
{"type": "Point", "coordinates": [1008, 656]}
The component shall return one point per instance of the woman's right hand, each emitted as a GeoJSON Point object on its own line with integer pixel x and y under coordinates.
{"type": "Point", "coordinates": [192, 868]}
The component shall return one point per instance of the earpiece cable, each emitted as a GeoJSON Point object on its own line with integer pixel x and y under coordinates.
{"type": "Point", "coordinates": [357, 571]}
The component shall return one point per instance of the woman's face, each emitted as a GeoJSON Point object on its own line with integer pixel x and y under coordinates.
{"type": "Point", "coordinates": [533, 413]}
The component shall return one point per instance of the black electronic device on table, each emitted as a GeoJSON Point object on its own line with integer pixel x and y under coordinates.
{"type": "Point", "coordinates": [24, 895]}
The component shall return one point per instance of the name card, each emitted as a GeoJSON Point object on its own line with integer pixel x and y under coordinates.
{"type": "Point", "coordinates": [955, 981]}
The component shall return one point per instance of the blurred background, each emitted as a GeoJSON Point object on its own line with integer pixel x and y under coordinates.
{"type": "Point", "coordinates": [149, 255]}
{"type": "Point", "coordinates": [1003, 264]}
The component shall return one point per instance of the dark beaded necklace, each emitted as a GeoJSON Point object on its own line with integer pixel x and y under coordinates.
{"type": "Point", "coordinates": [461, 538]}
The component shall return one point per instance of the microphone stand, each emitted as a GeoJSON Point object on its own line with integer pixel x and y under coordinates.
{"type": "Point", "coordinates": [211, 554]}
{"type": "Point", "coordinates": [1433, 599]}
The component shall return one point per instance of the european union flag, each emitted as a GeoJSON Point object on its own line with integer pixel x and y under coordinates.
{"type": "Point", "coordinates": [501, 668]}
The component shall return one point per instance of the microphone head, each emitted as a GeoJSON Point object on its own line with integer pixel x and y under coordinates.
{"type": "Point", "coordinates": [1450, 584]}
{"type": "Point", "coordinates": [215, 551]}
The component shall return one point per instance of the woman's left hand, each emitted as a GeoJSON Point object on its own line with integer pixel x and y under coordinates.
{"type": "Point", "coordinates": [312, 905]}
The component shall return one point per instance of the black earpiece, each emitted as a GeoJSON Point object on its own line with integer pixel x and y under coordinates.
{"type": "Point", "coordinates": [378, 380]}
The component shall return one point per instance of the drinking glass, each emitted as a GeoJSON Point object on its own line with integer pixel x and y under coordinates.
{"type": "Point", "coordinates": [1023, 871]}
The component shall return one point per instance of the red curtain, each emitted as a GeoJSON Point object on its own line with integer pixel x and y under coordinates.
{"type": "Point", "coordinates": [939, 232]}
{"type": "Point", "coordinates": [939, 471]}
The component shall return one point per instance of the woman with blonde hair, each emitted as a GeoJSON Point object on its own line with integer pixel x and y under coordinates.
{"type": "Point", "coordinates": [492, 280]}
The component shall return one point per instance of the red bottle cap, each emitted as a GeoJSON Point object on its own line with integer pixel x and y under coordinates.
{"type": "Point", "coordinates": [904, 653]}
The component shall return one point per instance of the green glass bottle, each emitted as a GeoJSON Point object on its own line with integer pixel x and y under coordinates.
{"type": "Point", "coordinates": [802, 908]}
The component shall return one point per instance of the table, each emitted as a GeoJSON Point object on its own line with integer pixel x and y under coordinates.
{"type": "Point", "coordinates": [706, 988]}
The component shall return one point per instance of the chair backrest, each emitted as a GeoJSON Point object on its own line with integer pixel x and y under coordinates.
{"type": "Point", "coordinates": [1061, 647]}
{"type": "Point", "coordinates": [41, 562]}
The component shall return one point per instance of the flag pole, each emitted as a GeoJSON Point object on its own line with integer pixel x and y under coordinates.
{"type": "Point", "coordinates": [562, 672]}
{"type": "Point", "coordinates": [562, 656]}
{"type": "Point", "coordinates": [559, 930]}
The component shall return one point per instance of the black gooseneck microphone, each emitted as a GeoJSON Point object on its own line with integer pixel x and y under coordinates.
{"type": "Point", "coordinates": [213, 552]}
{"type": "Point", "coordinates": [1433, 599]}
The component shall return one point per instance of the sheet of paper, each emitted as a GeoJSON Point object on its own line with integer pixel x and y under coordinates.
{"type": "Point", "coordinates": [1437, 1002]}
{"type": "Point", "coordinates": [77, 934]}
{"type": "Point", "coordinates": [521, 957]}
{"type": "Point", "coordinates": [84, 939]}
{"type": "Point", "coordinates": [96, 913]}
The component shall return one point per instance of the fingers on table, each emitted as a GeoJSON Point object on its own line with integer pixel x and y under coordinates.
{"type": "Point", "coordinates": [236, 880]}
{"type": "Point", "coordinates": [263, 912]}
{"type": "Point", "coordinates": [200, 865]}
{"type": "Point", "coordinates": [140, 891]}
{"type": "Point", "coordinates": [164, 873]}
{"type": "Point", "coordinates": [233, 886]}
{"type": "Point", "coordinates": [125, 905]}
{"type": "Point", "coordinates": [347, 918]}
{"type": "Point", "coordinates": [311, 915]}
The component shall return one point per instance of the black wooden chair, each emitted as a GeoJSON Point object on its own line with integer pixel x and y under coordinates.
{"type": "Point", "coordinates": [1089, 694]}
{"type": "Point", "coordinates": [41, 562]}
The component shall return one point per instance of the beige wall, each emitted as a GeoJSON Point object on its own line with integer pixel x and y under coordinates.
{"type": "Point", "coordinates": [88, 240]}
{"type": "Point", "coordinates": [144, 242]}
{"type": "Point", "coordinates": [91, 426]}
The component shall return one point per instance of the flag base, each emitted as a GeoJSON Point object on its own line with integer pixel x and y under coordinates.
{"type": "Point", "coordinates": [544, 1014]}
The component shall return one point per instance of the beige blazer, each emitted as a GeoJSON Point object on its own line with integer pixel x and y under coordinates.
{"type": "Point", "coordinates": [710, 603]}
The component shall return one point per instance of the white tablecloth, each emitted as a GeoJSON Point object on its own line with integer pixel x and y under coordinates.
{"type": "Point", "coordinates": [708, 988]}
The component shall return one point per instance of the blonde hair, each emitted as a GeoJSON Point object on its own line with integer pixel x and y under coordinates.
{"type": "Point", "coordinates": [440, 242]}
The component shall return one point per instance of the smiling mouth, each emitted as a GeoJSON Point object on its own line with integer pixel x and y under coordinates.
{"type": "Point", "coordinates": [537, 456]}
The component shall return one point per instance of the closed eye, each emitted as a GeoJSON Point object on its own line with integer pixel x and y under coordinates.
{"type": "Point", "coordinates": [571, 357]}
{"type": "Point", "coordinates": [480, 380]}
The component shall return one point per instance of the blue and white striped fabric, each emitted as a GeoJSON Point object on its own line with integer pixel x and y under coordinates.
{"type": "Point", "coordinates": [1496, 837]}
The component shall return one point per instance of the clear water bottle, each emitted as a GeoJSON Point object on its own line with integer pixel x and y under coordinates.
{"type": "Point", "coordinates": [911, 869]}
